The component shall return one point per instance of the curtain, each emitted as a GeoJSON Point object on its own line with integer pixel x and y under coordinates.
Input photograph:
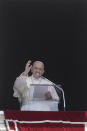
{"type": "Point", "coordinates": [51, 125]}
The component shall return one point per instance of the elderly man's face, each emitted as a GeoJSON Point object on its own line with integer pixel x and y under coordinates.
{"type": "Point", "coordinates": [38, 67]}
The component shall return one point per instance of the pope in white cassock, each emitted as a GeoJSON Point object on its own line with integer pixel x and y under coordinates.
{"type": "Point", "coordinates": [24, 90]}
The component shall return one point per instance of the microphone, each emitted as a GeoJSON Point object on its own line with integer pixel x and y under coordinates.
{"type": "Point", "coordinates": [37, 74]}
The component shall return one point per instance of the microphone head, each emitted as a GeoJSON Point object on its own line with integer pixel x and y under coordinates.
{"type": "Point", "coordinates": [37, 74]}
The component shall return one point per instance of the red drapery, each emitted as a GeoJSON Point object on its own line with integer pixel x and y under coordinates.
{"type": "Point", "coordinates": [55, 128]}
{"type": "Point", "coordinates": [34, 116]}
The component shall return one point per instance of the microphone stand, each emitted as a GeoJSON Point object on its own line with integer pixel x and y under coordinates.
{"type": "Point", "coordinates": [58, 88]}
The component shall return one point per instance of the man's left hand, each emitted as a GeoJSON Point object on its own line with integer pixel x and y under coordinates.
{"type": "Point", "coordinates": [48, 95]}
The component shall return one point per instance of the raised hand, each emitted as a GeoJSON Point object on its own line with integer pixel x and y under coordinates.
{"type": "Point", "coordinates": [27, 67]}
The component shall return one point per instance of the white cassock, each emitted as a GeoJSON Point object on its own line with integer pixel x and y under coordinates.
{"type": "Point", "coordinates": [24, 92]}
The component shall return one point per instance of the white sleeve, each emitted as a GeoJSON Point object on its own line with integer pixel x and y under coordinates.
{"type": "Point", "coordinates": [20, 85]}
{"type": "Point", "coordinates": [53, 93]}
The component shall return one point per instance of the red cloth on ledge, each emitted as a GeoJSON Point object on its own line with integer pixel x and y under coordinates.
{"type": "Point", "coordinates": [72, 116]}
